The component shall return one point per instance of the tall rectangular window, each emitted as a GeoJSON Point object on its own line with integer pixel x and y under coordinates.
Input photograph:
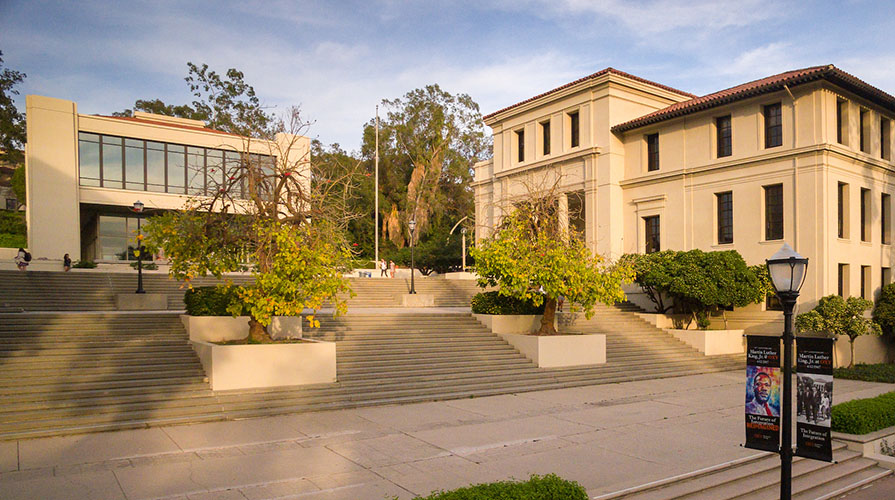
{"type": "Point", "coordinates": [545, 137]}
{"type": "Point", "coordinates": [842, 121]}
{"type": "Point", "coordinates": [865, 282]}
{"type": "Point", "coordinates": [865, 130]}
{"type": "Point", "coordinates": [865, 214]}
{"type": "Point", "coordinates": [176, 172]}
{"type": "Point", "coordinates": [651, 230]}
{"type": "Point", "coordinates": [843, 280]}
{"type": "Point", "coordinates": [574, 130]}
{"type": "Point", "coordinates": [722, 125]}
{"type": "Point", "coordinates": [652, 152]}
{"type": "Point", "coordinates": [88, 159]}
{"type": "Point", "coordinates": [842, 208]}
{"type": "Point", "coordinates": [773, 212]}
{"type": "Point", "coordinates": [113, 162]}
{"type": "Point", "coordinates": [134, 165]}
{"type": "Point", "coordinates": [155, 167]}
{"type": "Point", "coordinates": [773, 125]}
{"type": "Point", "coordinates": [195, 170]}
{"type": "Point", "coordinates": [886, 275]}
{"type": "Point", "coordinates": [520, 146]}
{"type": "Point", "coordinates": [885, 139]}
{"type": "Point", "coordinates": [725, 217]}
{"type": "Point", "coordinates": [885, 210]}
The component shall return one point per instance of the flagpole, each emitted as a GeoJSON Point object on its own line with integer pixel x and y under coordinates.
{"type": "Point", "coordinates": [376, 189]}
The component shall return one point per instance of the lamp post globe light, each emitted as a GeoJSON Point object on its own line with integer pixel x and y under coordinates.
{"type": "Point", "coordinates": [787, 269]}
{"type": "Point", "coordinates": [138, 208]}
{"type": "Point", "coordinates": [412, 225]}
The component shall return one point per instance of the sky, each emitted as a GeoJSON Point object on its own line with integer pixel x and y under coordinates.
{"type": "Point", "coordinates": [338, 59]}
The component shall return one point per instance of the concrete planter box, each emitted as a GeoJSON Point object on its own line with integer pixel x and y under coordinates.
{"type": "Point", "coordinates": [141, 301]}
{"type": "Point", "coordinates": [556, 351]}
{"type": "Point", "coordinates": [269, 365]}
{"type": "Point", "coordinates": [224, 328]}
{"type": "Point", "coordinates": [869, 445]}
{"type": "Point", "coordinates": [712, 342]}
{"type": "Point", "coordinates": [511, 323]}
{"type": "Point", "coordinates": [417, 300]}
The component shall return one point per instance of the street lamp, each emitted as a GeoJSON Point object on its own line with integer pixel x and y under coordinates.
{"type": "Point", "coordinates": [787, 269]}
{"type": "Point", "coordinates": [463, 243]}
{"type": "Point", "coordinates": [138, 208]}
{"type": "Point", "coordinates": [412, 225]}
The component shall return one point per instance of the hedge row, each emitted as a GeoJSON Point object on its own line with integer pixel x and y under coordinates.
{"type": "Point", "coordinates": [549, 487]}
{"type": "Point", "coordinates": [210, 300]}
{"type": "Point", "coordinates": [883, 372]}
{"type": "Point", "coordinates": [494, 303]}
{"type": "Point", "coordinates": [863, 416]}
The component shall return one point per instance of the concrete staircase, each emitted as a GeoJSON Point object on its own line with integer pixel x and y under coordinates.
{"type": "Point", "coordinates": [394, 358]}
{"type": "Point", "coordinates": [758, 478]}
{"type": "Point", "coordinates": [63, 373]}
{"type": "Point", "coordinates": [95, 290]}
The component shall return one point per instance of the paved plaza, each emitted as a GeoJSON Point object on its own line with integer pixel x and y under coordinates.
{"type": "Point", "coordinates": [606, 437]}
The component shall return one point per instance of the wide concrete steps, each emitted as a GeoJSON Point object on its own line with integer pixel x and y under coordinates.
{"type": "Point", "coordinates": [81, 372]}
{"type": "Point", "coordinates": [95, 290]}
{"type": "Point", "coordinates": [758, 477]}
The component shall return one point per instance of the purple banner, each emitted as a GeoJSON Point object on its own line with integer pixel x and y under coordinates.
{"type": "Point", "coordinates": [763, 393]}
{"type": "Point", "coordinates": [814, 398]}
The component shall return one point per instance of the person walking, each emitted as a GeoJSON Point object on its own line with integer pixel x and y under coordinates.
{"type": "Point", "coordinates": [391, 268]}
{"type": "Point", "coordinates": [22, 259]}
{"type": "Point", "coordinates": [383, 268]}
{"type": "Point", "coordinates": [66, 263]}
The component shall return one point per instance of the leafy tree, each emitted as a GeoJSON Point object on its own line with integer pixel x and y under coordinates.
{"type": "Point", "coordinates": [837, 316]}
{"type": "Point", "coordinates": [287, 226]}
{"type": "Point", "coordinates": [429, 141]}
{"type": "Point", "coordinates": [654, 273]}
{"type": "Point", "coordinates": [707, 282]}
{"type": "Point", "coordinates": [884, 310]}
{"type": "Point", "coordinates": [224, 102]}
{"type": "Point", "coordinates": [18, 184]}
{"type": "Point", "coordinates": [12, 123]}
{"type": "Point", "coordinates": [699, 283]}
{"type": "Point", "coordinates": [531, 258]}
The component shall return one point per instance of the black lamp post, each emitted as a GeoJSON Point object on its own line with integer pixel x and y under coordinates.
{"type": "Point", "coordinates": [463, 244]}
{"type": "Point", "coordinates": [412, 225]}
{"type": "Point", "coordinates": [138, 208]}
{"type": "Point", "coordinates": [787, 269]}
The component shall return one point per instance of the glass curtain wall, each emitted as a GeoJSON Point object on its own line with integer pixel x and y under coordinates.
{"type": "Point", "coordinates": [139, 165]}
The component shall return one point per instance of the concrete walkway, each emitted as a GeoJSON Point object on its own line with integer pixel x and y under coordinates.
{"type": "Point", "coordinates": [606, 437]}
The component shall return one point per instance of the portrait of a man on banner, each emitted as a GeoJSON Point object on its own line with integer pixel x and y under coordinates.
{"type": "Point", "coordinates": [763, 391]}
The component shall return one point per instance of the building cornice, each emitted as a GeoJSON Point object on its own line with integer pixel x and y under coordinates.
{"type": "Point", "coordinates": [546, 162]}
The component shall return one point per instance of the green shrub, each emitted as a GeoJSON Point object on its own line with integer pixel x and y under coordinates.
{"type": "Point", "coordinates": [13, 240]}
{"type": "Point", "coordinates": [884, 372]}
{"type": "Point", "coordinates": [210, 300]}
{"type": "Point", "coordinates": [884, 309]}
{"type": "Point", "coordinates": [495, 303]}
{"type": "Point", "coordinates": [549, 487]}
{"type": "Point", "coordinates": [863, 416]}
{"type": "Point", "coordinates": [85, 264]}
{"type": "Point", "coordinates": [13, 222]}
{"type": "Point", "coordinates": [152, 266]}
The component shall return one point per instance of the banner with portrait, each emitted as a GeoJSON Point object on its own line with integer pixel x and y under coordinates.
{"type": "Point", "coordinates": [814, 398]}
{"type": "Point", "coordinates": [763, 393]}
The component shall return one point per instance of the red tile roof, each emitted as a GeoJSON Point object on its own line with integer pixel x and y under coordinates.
{"type": "Point", "coordinates": [763, 86]}
{"type": "Point", "coordinates": [169, 124]}
{"type": "Point", "coordinates": [590, 77]}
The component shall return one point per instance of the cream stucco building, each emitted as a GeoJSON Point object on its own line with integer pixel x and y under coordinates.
{"type": "Point", "coordinates": [84, 173]}
{"type": "Point", "coordinates": [803, 157]}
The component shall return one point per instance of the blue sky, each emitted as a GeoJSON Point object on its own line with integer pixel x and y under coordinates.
{"type": "Point", "coordinates": [337, 60]}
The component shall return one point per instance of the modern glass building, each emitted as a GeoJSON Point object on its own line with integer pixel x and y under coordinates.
{"type": "Point", "coordinates": [85, 172]}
